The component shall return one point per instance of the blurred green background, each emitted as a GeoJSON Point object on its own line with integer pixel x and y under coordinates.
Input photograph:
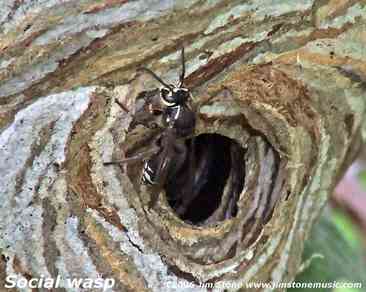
{"type": "Point", "coordinates": [336, 249]}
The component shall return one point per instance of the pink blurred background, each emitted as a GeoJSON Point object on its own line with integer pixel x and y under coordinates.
{"type": "Point", "coordinates": [350, 193]}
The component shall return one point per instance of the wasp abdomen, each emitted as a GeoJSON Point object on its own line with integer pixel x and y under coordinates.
{"type": "Point", "coordinates": [148, 173]}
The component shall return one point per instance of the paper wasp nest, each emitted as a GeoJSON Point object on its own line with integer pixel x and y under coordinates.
{"type": "Point", "coordinates": [276, 135]}
{"type": "Point", "coordinates": [272, 155]}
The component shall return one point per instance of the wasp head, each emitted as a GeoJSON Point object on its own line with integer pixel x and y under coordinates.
{"type": "Point", "coordinates": [174, 96]}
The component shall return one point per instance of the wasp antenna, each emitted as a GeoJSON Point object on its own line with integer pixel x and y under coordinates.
{"type": "Point", "coordinates": [155, 76]}
{"type": "Point", "coordinates": [182, 75]}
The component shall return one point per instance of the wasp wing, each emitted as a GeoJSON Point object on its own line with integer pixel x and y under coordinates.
{"type": "Point", "coordinates": [164, 159]}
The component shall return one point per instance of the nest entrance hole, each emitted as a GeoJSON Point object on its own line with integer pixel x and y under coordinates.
{"type": "Point", "coordinates": [211, 187]}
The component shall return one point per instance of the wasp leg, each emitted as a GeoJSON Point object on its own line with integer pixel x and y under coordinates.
{"type": "Point", "coordinates": [135, 158]}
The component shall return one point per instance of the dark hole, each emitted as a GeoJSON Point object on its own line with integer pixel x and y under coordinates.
{"type": "Point", "coordinates": [202, 185]}
{"type": "Point", "coordinates": [349, 121]}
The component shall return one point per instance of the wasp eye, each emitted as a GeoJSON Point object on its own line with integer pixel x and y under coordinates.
{"type": "Point", "coordinates": [164, 92]}
{"type": "Point", "coordinates": [167, 97]}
